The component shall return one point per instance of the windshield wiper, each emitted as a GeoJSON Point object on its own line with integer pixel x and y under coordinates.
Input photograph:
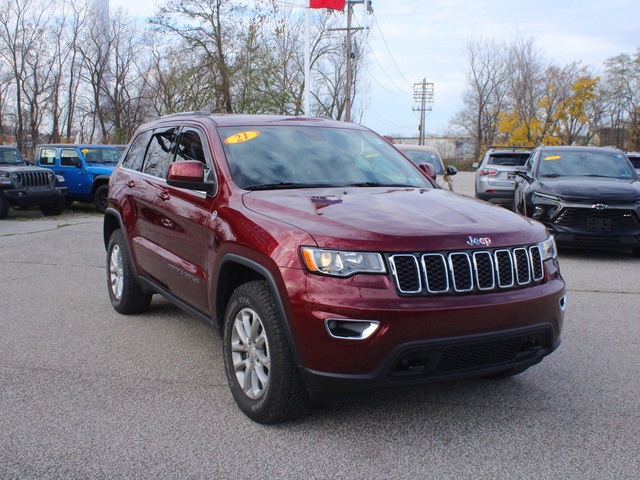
{"type": "Point", "coordinates": [377, 184]}
{"type": "Point", "coordinates": [551, 175]}
{"type": "Point", "coordinates": [286, 185]}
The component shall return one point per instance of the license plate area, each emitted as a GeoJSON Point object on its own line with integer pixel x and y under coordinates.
{"type": "Point", "coordinates": [595, 224]}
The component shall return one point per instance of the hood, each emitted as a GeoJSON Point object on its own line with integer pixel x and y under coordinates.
{"type": "Point", "coordinates": [403, 219]}
{"type": "Point", "coordinates": [593, 189]}
{"type": "Point", "coordinates": [22, 168]}
{"type": "Point", "coordinates": [100, 169]}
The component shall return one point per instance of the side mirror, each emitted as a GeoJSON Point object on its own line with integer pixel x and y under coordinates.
{"type": "Point", "coordinates": [451, 170]}
{"type": "Point", "coordinates": [475, 164]}
{"type": "Point", "coordinates": [189, 175]}
{"type": "Point", "coordinates": [428, 169]}
{"type": "Point", "coordinates": [522, 172]}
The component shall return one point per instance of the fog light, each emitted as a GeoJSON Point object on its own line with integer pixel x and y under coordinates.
{"type": "Point", "coordinates": [351, 329]}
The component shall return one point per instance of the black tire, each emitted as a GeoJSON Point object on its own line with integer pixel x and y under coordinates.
{"type": "Point", "coordinates": [263, 378]}
{"type": "Point", "coordinates": [127, 297]}
{"type": "Point", "coordinates": [100, 198]}
{"type": "Point", "coordinates": [53, 208]}
{"type": "Point", "coordinates": [4, 207]}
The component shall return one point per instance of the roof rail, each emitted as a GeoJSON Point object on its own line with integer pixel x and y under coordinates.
{"type": "Point", "coordinates": [201, 113]}
{"type": "Point", "coordinates": [513, 147]}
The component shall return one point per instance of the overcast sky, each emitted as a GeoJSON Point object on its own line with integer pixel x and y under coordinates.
{"type": "Point", "coordinates": [414, 39]}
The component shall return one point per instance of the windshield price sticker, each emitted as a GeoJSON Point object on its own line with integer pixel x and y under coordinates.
{"type": "Point", "coordinates": [553, 157]}
{"type": "Point", "coordinates": [241, 137]}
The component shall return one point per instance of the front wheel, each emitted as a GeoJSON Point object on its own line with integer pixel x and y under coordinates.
{"type": "Point", "coordinates": [126, 295]}
{"type": "Point", "coordinates": [4, 207]}
{"type": "Point", "coordinates": [54, 208]}
{"type": "Point", "coordinates": [263, 378]}
{"type": "Point", "coordinates": [100, 198]}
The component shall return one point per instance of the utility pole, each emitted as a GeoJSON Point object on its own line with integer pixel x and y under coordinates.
{"type": "Point", "coordinates": [423, 96]}
{"type": "Point", "coordinates": [350, 54]}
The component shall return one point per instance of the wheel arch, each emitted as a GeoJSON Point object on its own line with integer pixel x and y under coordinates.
{"type": "Point", "coordinates": [234, 271]}
{"type": "Point", "coordinates": [98, 181]}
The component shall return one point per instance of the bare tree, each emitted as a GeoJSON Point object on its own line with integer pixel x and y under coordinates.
{"type": "Point", "coordinates": [484, 97]}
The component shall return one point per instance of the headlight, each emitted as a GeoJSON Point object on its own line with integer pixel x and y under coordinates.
{"type": "Point", "coordinates": [341, 264]}
{"type": "Point", "coordinates": [60, 179]}
{"type": "Point", "coordinates": [544, 198]}
{"type": "Point", "coordinates": [545, 204]}
{"type": "Point", "coordinates": [548, 249]}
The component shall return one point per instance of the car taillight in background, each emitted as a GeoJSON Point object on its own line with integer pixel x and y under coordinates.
{"type": "Point", "coordinates": [487, 171]}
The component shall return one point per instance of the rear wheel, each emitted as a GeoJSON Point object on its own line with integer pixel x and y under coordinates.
{"type": "Point", "coordinates": [124, 291]}
{"type": "Point", "coordinates": [100, 198]}
{"type": "Point", "coordinates": [262, 376]}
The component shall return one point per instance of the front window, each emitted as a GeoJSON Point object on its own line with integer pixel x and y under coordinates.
{"type": "Point", "coordinates": [574, 163]}
{"type": "Point", "coordinates": [293, 156]}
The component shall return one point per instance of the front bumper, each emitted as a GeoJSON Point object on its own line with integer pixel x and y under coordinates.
{"type": "Point", "coordinates": [442, 359]}
{"type": "Point", "coordinates": [28, 197]}
{"type": "Point", "coordinates": [417, 336]}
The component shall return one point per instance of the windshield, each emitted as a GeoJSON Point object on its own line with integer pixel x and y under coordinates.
{"type": "Point", "coordinates": [421, 156]}
{"type": "Point", "coordinates": [292, 156]}
{"type": "Point", "coordinates": [561, 163]}
{"type": "Point", "coordinates": [106, 156]}
{"type": "Point", "coordinates": [11, 157]}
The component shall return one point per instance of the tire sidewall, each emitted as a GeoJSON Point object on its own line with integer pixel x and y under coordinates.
{"type": "Point", "coordinates": [100, 198]}
{"type": "Point", "coordinates": [115, 240]}
{"type": "Point", "coordinates": [243, 298]}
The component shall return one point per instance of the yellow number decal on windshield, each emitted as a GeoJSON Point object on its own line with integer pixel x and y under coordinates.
{"type": "Point", "coordinates": [241, 137]}
{"type": "Point", "coordinates": [553, 157]}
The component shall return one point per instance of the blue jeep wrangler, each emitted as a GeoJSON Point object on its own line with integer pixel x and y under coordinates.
{"type": "Point", "coordinates": [86, 169]}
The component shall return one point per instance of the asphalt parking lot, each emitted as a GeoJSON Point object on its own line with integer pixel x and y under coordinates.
{"type": "Point", "coordinates": [88, 393]}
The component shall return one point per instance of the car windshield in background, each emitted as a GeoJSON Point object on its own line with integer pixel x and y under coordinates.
{"type": "Point", "coordinates": [584, 164]}
{"type": "Point", "coordinates": [109, 156]}
{"type": "Point", "coordinates": [508, 159]}
{"type": "Point", "coordinates": [10, 157]}
{"type": "Point", "coordinates": [419, 157]}
{"type": "Point", "coordinates": [271, 157]}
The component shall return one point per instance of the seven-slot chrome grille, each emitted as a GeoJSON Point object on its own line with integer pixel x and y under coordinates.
{"type": "Point", "coordinates": [466, 271]}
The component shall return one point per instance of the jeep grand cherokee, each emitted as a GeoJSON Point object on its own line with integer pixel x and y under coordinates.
{"type": "Point", "coordinates": [328, 261]}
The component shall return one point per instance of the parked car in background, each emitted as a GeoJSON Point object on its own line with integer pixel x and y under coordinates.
{"type": "Point", "coordinates": [23, 185]}
{"type": "Point", "coordinates": [86, 169]}
{"type": "Point", "coordinates": [327, 260]}
{"type": "Point", "coordinates": [586, 196]}
{"type": "Point", "coordinates": [634, 158]}
{"type": "Point", "coordinates": [420, 154]}
{"type": "Point", "coordinates": [495, 174]}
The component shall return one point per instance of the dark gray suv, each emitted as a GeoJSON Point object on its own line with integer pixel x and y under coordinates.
{"type": "Point", "coordinates": [23, 185]}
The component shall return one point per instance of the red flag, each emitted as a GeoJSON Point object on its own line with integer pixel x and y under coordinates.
{"type": "Point", "coordinates": [332, 4]}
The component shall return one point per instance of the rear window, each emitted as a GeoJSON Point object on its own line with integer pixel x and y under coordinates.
{"type": "Point", "coordinates": [508, 159]}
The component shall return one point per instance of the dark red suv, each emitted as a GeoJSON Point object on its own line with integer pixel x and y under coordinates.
{"type": "Point", "coordinates": [328, 261]}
